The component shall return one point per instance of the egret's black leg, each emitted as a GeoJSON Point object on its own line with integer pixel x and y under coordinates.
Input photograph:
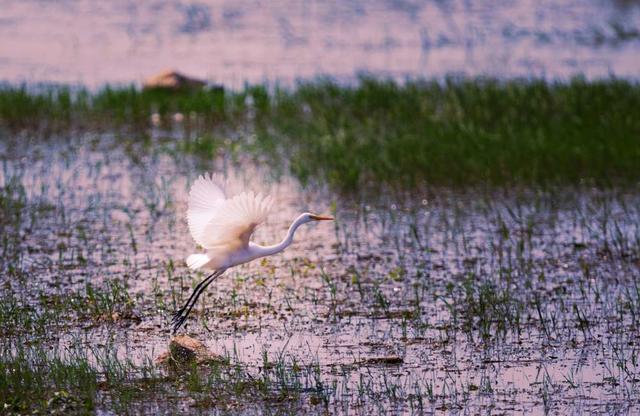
{"type": "Point", "coordinates": [177, 317]}
{"type": "Point", "coordinates": [197, 288]}
{"type": "Point", "coordinates": [183, 313]}
{"type": "Point", "coordinates": [183, 317]}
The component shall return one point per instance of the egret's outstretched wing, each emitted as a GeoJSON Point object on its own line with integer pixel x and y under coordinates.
{"type": "Point", "coordinates": [235, 220]}
{"type": "Point", "coordinates": [207, 195]}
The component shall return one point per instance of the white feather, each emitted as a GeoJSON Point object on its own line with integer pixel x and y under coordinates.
{"type": "Point", "coordinates": [235, 220]}
{"type": "Point", "coordinates": [206, 195]}
{"type": "Point", "coordinates": [196, 261]}
{"type": "Point", "coordinates": [216, 220]}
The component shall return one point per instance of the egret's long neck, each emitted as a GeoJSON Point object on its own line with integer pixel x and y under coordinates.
{"type": "Point", "coordinates": [286, 242]}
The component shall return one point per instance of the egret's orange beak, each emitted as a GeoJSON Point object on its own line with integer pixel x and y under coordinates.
{"type": "Point", "coordinates": [321, 218]}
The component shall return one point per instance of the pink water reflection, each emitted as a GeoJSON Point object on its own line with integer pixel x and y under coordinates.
{"type": "Point", "coordinates": [234, 42]}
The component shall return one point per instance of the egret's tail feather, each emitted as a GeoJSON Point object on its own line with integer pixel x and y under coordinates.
{"type": "Point", "coordinates": [196, 261]}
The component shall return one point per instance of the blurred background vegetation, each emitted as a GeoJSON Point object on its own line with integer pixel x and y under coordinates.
{"type": "Point", "coordinates": [455, 132]}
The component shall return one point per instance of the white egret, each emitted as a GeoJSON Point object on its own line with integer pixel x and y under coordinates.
{"type": "Point", "coordinates": [223, 226]}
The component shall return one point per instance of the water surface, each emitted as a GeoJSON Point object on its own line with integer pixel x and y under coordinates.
{"type": "Point", "coordinates": [514, 300]}
{"type": "Point", "coordinates": [234, 42]}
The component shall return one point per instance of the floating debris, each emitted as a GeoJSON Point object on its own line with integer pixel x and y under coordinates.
{"type": "Point", "coordinates": [387, 360]}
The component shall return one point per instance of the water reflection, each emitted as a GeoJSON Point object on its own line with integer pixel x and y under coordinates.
{"type": "Point", "coordinates": [471, 297]}
{"type": "Point", "coordinates": [233, 42]}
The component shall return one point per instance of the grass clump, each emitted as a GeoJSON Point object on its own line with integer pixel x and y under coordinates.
{"type": "Point", "coordinates": [33, 380]}
{"type": "Point", "coordinates": [105, 303]}
{"type": "Point", "coordinates": [459, 132]}
{"type": "Point", "coordinates": [455, 132]}
{"type": "Point", "coordinates": [54, 109]}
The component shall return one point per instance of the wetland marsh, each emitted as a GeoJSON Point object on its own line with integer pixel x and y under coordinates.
{"type": "Point", "coordinates": [494, 275]}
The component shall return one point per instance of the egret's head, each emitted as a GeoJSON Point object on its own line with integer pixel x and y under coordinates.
{"type": "Point", "coordinates": [308, 217]}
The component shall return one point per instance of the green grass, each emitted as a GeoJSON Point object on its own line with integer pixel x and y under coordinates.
{"type": "Point", "coordinates": [38, 379]}
{"type": "Point", "coordinates": [32, 379]}
{"type": "Point", "coordinates": [456, 132]}
{"type": "Point", "coordinates": [460, 132]}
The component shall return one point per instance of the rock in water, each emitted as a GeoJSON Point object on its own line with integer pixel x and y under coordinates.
{"type": "Point", "coordinates": [173, 80]}
{"type": "Point", "coordinates": [184, 350]}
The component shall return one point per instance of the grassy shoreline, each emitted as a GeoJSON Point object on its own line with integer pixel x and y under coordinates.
{"type": "Point", "coordinates": [456, 132]}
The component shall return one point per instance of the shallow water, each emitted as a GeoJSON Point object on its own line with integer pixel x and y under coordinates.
{"type": "Point", "coordinates": [231, 42]}
{"type": "Point", "coordinates": [511, 300]}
